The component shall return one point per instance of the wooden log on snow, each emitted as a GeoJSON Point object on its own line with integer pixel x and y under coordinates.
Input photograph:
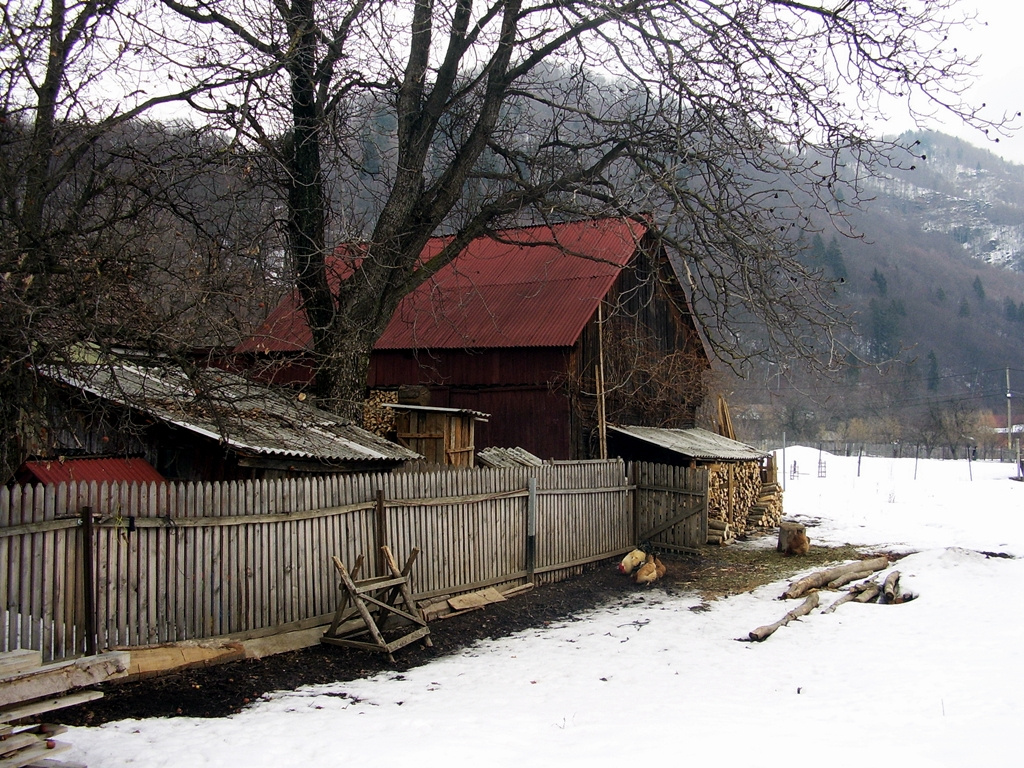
{"type": "Point", "coordinates": [891, 587]}
{"type": "Point", "coordinates": [820, 578]}
{"type": "Point", "coordinates": [870, 593]}
{"type": "Point", "coordinates": [846, 579]}
{"type": "Point", "coordinates": [808, 605]}
{"type": "Point", "coordinates": [871, 587]}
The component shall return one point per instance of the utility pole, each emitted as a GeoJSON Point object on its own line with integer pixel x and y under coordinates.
{"type": "Point", "coordinates": [1009, 419]}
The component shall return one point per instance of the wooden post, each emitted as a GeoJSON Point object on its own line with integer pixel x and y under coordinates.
{"type": "Point", "coordinates": [89, 582]}
{"type": "Point", "coordinates": [380, 532]}
{"type": "Point", "coordinates": [602, 417]}
{"type": "Point", "coordinates": [531, 529]}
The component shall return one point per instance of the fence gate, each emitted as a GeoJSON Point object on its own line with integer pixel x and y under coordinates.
{"type": "Point", "coordinates": [671, 506]}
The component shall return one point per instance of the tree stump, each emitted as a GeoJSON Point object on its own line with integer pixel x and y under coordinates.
{"type": "Point", "coordinates": [787, 531]}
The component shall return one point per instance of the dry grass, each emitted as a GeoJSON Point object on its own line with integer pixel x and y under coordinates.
{"type": "Point", "coordinates": [731, 570]}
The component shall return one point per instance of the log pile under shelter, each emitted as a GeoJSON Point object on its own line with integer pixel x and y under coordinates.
{"type": "Point", "coordinates": [742, 497]}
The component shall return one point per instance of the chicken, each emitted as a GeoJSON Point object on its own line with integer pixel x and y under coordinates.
{"type": "Point", "coordinates": [631, 561]}
{"type": "Point", "coordinates": [648, 572]}
{"type": "Point", "coordinates": [659, 567]}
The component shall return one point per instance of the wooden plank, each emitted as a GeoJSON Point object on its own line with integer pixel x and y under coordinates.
{"type": "Point", "coordinates": [31, 709]}
{"type": "Point", "coordinates": [28, 756]}
{"type": "Point", "coordinates": [57, 678]}
{"type": "Point", "coordinates": [476, 599]}
{"type": "Point", "coordinates": [22, 660]}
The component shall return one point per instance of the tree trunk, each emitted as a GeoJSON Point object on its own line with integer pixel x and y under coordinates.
{"type": "Point", "coordinates": [820, 578]}
{"type": "Point", "coordinates": [808, 605]}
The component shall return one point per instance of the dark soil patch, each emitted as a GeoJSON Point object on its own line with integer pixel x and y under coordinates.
{"type": "Point", "coordinates": [224, 689]}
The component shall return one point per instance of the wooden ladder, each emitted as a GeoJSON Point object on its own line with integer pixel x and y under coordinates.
{"type": "Point", "coordinates": [366, 607]}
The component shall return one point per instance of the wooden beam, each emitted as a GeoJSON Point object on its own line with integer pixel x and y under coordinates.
{"type": "Point", "coordinates": [58, 678]}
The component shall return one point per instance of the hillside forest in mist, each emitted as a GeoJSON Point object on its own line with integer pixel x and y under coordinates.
{"type": "Point", "coordinates": [933, 281]}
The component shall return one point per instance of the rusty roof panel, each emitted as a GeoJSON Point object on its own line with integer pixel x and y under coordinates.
{"type": "Point", "coordinates": [529, 287]}
{"type": "Point", "coordinates": [102, 469]}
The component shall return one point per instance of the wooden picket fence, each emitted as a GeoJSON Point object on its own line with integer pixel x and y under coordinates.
{"type": "Point", "coordinates": [186, 561]}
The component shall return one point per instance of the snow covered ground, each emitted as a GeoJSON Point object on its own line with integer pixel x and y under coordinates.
{"type": "Point", "coordinates": [934, 682]}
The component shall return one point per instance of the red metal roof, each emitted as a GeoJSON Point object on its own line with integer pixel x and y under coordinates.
{"type": "Point", "coordinates": [528, 287]}
{"type": "Point", "coordinates": [105, 469]}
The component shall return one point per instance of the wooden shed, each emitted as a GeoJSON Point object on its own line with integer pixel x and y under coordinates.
{"type": "Point", "coordinates": [443, 436]}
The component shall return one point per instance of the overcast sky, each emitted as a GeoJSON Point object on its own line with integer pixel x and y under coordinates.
{"type": "Point", "coordinates": [1000, 81]}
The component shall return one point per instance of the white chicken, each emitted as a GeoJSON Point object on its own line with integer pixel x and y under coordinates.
{"type": "Point", "coordinates": [632, 561]}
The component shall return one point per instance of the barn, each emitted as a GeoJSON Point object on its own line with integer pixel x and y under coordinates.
{"type": "Point", "coordinates": [554, 331]}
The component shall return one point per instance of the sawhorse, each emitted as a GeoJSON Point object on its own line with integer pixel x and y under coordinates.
{"type": "Point", "coordinates": [367, 606]}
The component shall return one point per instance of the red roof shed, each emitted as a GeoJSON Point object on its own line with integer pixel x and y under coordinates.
{"type": "Point", "coordinates": [101, 469]}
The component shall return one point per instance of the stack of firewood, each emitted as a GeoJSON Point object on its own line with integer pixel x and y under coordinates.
{"type": "Point", "coordinates": [739, 502]}
{"type": "Point", "coordinates": [377, 419]}
{"type": "Point", "coordinates": [766, 513]}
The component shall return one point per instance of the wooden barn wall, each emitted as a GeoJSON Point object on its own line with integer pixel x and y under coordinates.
{"type": "Point", "coordinates": [523, 391]}
{"type": "Point", "coordinates": [647, 300]}
{"type": "Point", "coordinates": [185, 561]}
{"type": "Point", "coordinates": [461, 367]}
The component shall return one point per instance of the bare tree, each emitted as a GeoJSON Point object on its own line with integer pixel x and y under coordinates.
{"type": "Point", "coordinates": [725, 119]}
{"type": "Point", "coordinates": [102, 233]}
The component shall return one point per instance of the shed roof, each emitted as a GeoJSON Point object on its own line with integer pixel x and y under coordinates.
{"type": "Point", "coordinates": [475, 415]}
{"type": "Point", "coordinates": [101, 469]}
{"type": "Point", "coordinates": [526, 287]}
{"type": "Point", "coordinates": [250, 418]}
{"type": "Point", "coordinates": [695, 443]}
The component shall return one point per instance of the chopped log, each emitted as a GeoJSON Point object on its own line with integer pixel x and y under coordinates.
{"type": "Point", "coordinates": [808, 605]}
{"type": "Point", "coordinates": [891, 587]}
{"type": "Point", "coordinates": [839, 601]}
{"type": "Point", "coordinates": [717, 525]}
{"type": "Point", "coordinates": [713, 539]}
{"type": "Point", "coordinates": [844, 580]}
{"type": "Point", "coordinates": [871, 587]}
{"type": "Point", "coordinates": [870, 593]}
{"type": "Point", "coordinates": [820, 578]}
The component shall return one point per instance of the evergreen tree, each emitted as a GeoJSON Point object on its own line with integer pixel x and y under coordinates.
{"type": "Point", "coordinates": [1010, 310]}
{"type": "Point", "coordinates": [833, 258]}
{"type": "Point", "coordinates": [933, 372]}
{"type": "Point", "coordinates": [880, 282]}
{"type": "Point", "coordinates": [979, 289]}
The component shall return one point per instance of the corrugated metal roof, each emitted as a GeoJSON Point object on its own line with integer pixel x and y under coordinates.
{"type": "Point", "coordinates": [696, 443]}
{"type": "Point", "coordinates": [101, 469]}
{"type": "Point", "coordinates": [529, 287]}
{"type": "Point", "coordinates": [477, 415]}
{"type": "Point", "coordinates": [508, 457]}
{"type": "Point", "coordinates": [251, 418]}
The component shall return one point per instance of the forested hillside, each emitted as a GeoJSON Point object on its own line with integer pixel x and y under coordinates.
{"type": "Point", "coordinates": [935, 286]}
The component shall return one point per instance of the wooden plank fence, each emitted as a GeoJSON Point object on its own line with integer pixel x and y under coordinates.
{"type": "Point", "coordinates": [185, 561]}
